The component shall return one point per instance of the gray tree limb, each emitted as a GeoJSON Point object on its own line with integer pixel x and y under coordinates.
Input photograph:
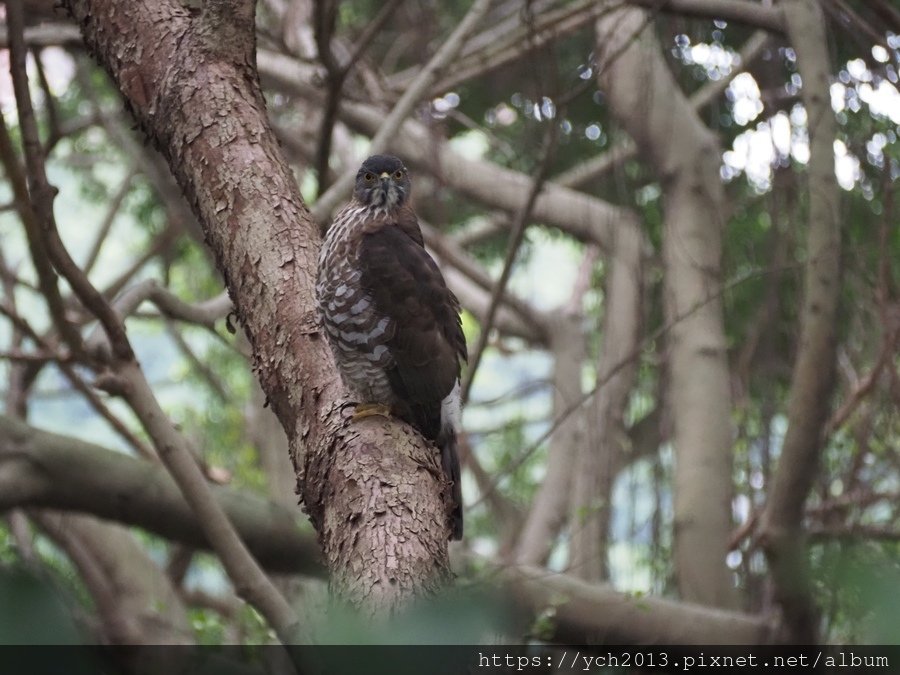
{"type": "Point", "coordinates": [46, 470]}
{"type": "Point", "coordinates": [583, 613]}
{"type": "Point", "coordinates": [812, 381]}
{"type": "Point", "coordinates": [648, 102]}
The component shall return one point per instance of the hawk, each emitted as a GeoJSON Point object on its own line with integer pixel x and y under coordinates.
{"type": "Point", "coordinates": [393, 325]}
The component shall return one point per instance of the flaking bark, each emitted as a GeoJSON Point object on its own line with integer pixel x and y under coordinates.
{"type": "Point", "coordinates": [197, 97]}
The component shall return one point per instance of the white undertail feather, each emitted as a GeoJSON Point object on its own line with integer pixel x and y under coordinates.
{"type": "Point", "coordinates": [451, 412]}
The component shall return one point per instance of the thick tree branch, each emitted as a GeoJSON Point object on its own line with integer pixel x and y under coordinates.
{"type": "Point", "coordinates": [599, 458]}
{"type": "Point", "coordinates": [582, 613]}
{"type": "Point", "coordinates": [46, 470]}
{"type": "Point", "coordinates": [813, 377]}
{"type": "Point", "coordinates": [740, 11]}
{"type": "Point", "coordinates": [648, 102]}
{"type": "Point", "coordinates": [584, 217]}
{"type": "Point", "coordinates": [200, 103]}
{"type": "Point", "coordinates": [547, 512]}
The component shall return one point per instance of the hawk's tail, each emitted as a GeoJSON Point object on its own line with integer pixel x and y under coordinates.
{"type": "Point", "coordinates": [450, 464]}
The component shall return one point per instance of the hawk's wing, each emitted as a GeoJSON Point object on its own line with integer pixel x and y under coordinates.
{"type": "Point", "coordinates": [427, 342]}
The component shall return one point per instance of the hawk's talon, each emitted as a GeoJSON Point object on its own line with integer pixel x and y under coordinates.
{"type": "Point", "coordinates": [364, 410]}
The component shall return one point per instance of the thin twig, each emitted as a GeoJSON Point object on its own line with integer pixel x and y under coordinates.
{"type": "Point", "coordinates": [447, 250]}
{"type": "Point", "coordinates": [45, 274]}
{"type": "Point", "coordinates": [159, 245]}
{"type": "Point", "coordinates": [551, 26]}
{"type": "Point", "coordinates": [112, 211]}
{"type": "Point", "coordinates": [41, 193]}
{"type": "Point", "coordinates": [325, 15]}
{"type": "Point", "coordinates": [53, 121]}
{"type": "Point", "coordinates": [417, 90]}
{"type": "Point", "coordinates": [204, 313]}
{"type": "Point", "coordinates": [213, 381]}
{"type": "Point", "coordinates": [513, 465]}
{"type": "Point", "coordinates": [63, 362]}
{"type": "Point", "coordinates": [517, 235]}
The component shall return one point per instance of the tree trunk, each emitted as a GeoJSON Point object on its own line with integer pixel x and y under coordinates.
{"type": "Point", "coordinates": [813, 376]}
{"type": "Point", "coordinates": [648, 102]}
{"type": "Point", "coordinates": [601, 457]}
{"type": "Point", "coordinates": [548, 511]}
{"type": "Point", "coordinates": [373, 490]}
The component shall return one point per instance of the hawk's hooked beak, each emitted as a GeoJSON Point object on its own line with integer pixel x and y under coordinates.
{"type": "Point", "coordinates": [385, 178]}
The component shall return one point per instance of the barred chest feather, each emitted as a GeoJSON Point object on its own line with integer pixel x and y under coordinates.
{"type": "Point", "coordinates": [356, 331]}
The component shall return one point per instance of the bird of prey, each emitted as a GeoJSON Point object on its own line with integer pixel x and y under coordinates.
{"type": "Point", "coordinates": [393, 325]}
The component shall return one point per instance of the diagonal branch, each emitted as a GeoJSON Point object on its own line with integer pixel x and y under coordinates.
{"type": "Point", "coordinates": [130, 380]}
{"type": "Point", "coordinates": [42, 194]}
{"type": "Point", "coordinates": [419, 88]}
{"type": "Point", "coordinates": [517, 236]}
{"type": "Point", "coordinates": [47, 470]}
{"type": "Point", "coordinates": [740, 11]}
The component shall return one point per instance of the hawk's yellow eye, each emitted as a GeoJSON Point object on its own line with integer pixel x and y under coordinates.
{"type": "Point", "coordinates": [398, 174]}
{"type": "Point", "coordinates": [369, 177]}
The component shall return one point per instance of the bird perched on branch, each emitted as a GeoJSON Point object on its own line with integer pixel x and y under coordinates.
{"type": "Point", "coordinates": [392, 323]}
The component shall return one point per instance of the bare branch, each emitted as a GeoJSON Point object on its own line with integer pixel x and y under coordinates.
{"type": "Point", "coordinates": [112, 210]}
{"type": "Point", "coordinates": [36, 246]}
{"type": "Point", "coordinates": [42, 193]}
{"type": "Point", "coordinates": [740, 11]}
{"type": "Point", "coordinates": [325, 15]}
{"type": "Point", "coordinates": [582, 613]}
{"type": "Point", "coordinates": [517, 235]}
{"type": "Point", "coordinates": [78, 383]}
{"type": "Point", "coordinates": [48, 35]}
{"type": "Point", "coordinates": [547, 27]}
{"type": "Point", "coordinates": [249, 580]}
{"type": "Point", "coordinates": [46, 470]}
{"type": "Point", "coordinates": [390, 125]}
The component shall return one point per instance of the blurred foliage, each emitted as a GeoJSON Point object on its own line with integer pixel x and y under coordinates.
{"type": "Point", "coordinates": [39, 618]}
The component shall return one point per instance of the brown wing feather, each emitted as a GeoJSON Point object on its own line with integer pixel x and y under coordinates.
{"type": "Point", "coordinates": [428, 343]}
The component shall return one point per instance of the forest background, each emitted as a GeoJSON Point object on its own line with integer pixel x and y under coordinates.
{"type": "Point", "coordinates": [673, 230]}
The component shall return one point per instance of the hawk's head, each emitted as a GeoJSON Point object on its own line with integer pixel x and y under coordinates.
{"type": "Point", "coordinates": [382, 182]}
